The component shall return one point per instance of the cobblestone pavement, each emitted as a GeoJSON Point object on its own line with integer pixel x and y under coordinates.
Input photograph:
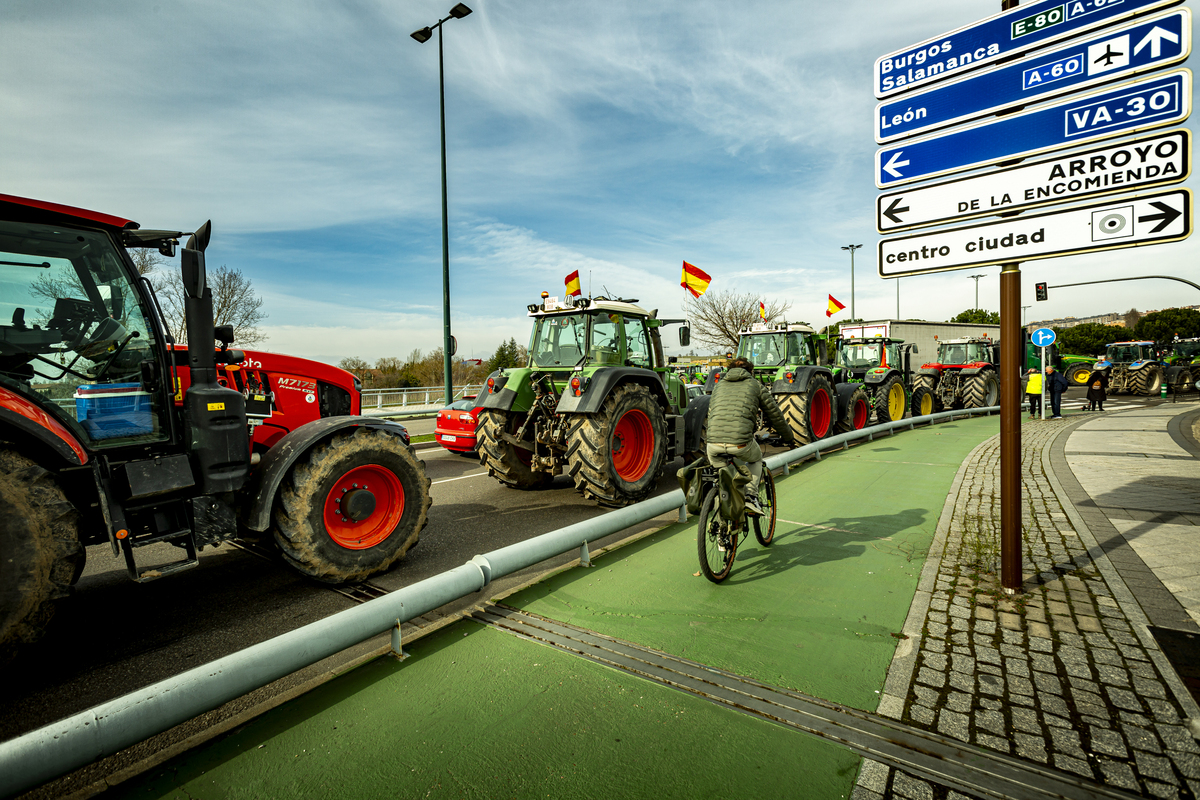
{"type": "Point", "coordinates": [1065, 673]}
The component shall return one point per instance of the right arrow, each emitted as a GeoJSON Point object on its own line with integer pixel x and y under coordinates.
{"type": "Point", "coordinates": [891, 211]}
{"type": "Point", "coordinates": [1167, 216]}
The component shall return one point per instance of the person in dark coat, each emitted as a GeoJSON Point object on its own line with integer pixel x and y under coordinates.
{"type": "Point", "coordinates": [1097, 384]}
{"type": "Point", "coordinates": [1056, 384]}
{"type": "Point", "coordinates": [733, 419]}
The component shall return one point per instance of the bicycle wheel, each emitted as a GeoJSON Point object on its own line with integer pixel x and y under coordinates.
{"type": "Point", "coordinates": [764, 526]}
{"type": "Point", "coordinates": [716, 540]}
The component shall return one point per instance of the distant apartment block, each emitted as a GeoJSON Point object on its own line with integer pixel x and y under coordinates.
{"type": "Point", "coordinates": [1113, 318]}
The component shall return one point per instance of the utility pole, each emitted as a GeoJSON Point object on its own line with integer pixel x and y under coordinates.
{"type": "Point", "coordinates": [852, 248]}
{"type": "Point", "coordinates": [977, 277]}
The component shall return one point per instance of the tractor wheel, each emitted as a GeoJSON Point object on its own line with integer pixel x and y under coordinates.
{"type": "Point", "coordinates": [982, 390]}
{"type": "Point", "coordinates": [1077, 374]}
{"type": "Point", "coordinates": [923, 402]}
{"type": "Point", "coordinates": [1147, 380]}
{"type": "Point", "coordinates": [929, 384]}
{"type": "Point", "coordinates": [1184, 381]}
{"type": "Point", "coordinates": [505, 461]}
{"type": "Point", "coordinates": [856, 414]}
{"type": "Point", "coordinates": [616, 454]}
{"type": "Point", "coordinates": [809, 415]}
{"type": "Point", "coordinates": [702, 446]}
{"type": "Point", "coordinates": [352, 506]}
{"type": "Point", "coordinates": [42, 557]}
{"type": "Point", "coordinates": [889, 400]}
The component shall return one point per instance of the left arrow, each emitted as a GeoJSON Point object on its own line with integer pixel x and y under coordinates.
{"type": "Point", "coordinates": [1167, 216]}
{"type": "Point", "coordinates": [891, 211]}
{"type": "Point", "coordinates": [891, 166]}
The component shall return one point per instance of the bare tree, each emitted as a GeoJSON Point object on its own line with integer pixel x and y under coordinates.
{"type": "Point", "coordinates": [1132, 317]}
{"type": "Point", "coordinates": [234, 303]}
{"type": "Point", "coordinates": [717, 316]}
{"type": "Point", "coordinates": [146, 260]}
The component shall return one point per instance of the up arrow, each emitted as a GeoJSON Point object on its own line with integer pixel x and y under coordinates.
{"type": "Point", "coordinates": [1155, 39]}
{"type": "Point", "coordinates": [1167, 216]}
{"type": "Point", "coordinates": [890, 166]}
{"type": "Point", "coordinates": [891, 211]}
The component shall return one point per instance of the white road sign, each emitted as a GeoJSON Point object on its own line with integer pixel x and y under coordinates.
{"type": "Point", "coordinates": [1155, 160]}
{"type": "Point", "coordinates": [1125, 222]}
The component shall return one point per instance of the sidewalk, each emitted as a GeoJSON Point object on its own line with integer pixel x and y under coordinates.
{"type": "Point", "coordinates": [1067, 673]}
{"type": "Point", "coordinates": [876, 595]}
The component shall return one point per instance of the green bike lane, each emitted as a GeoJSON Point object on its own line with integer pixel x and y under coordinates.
{"type": "Point", "coordinates": [475, 712]}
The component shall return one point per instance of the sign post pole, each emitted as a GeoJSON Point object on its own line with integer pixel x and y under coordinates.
{"type": "Point", "coordinates": [1012, 342]}
{"type": "Point", "coordinates": [1043, 403]}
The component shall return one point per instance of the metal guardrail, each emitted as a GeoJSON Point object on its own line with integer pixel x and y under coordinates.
{"type": "Point", "coordinates": [412, 396]}
{"type": "Point", "coordinates": [75, 741]}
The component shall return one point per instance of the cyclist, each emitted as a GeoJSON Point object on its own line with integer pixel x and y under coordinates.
{"type": "Point", "coordinates": [733, 418]}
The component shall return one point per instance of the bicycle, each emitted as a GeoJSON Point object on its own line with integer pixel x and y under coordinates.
{"type": "Point", "coordinates": [717, 539]}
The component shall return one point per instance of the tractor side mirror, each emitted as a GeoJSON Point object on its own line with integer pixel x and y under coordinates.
{"type": "Point", "coordinates": [223, 334]}
{"type": "Point", "coordinates": [685, 336]}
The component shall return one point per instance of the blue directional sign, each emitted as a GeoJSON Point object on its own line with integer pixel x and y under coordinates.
{"type": "Point", "coordinates": [1043, 337]}
{"type": "Point", "coordinates": [1138, 105]}
{"type": "Point", "coordinates": [1107, 56]}
{"type": "Point", "coordinates": [1018, 30]}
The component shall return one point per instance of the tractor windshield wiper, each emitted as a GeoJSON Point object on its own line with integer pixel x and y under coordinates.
{"type": "Point", "coordinates": [43, 265]}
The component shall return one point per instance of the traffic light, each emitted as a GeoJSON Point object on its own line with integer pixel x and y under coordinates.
{"type": "Point", "coordinates": [1040, 289]}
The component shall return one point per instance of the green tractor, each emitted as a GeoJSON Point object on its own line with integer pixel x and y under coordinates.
{"type": "Point", "coordinates": [1076, 369]}
{"type": "Point", "coordinates": [786, 359]}
{"type": "Point", "coordinates": [881, 366]}
{"type": "Point", "coordinates": [597, 401]}
{"type": "Point", "coordinates": [1184, 355]}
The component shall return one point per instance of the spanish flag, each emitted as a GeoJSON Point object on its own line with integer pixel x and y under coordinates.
{"type": "Point", "coordinates": [694, 279]}
{"type": "Point", "coordinates": [572, 282]}
{"type": "Point", "coordinates": [762, 311]}
{"type": "Point", "coordinates": [834, 307]}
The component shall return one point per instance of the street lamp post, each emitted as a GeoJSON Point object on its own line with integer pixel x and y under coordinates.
{"type": "Point", "coordinates": [852, 248]}
{"type": "Point", "coordinates": [977, 277]}
{"type": "Point", "coordinates": [424, 35]}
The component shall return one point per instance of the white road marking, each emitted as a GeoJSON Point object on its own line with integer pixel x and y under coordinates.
{"type": "Point", "coordinates": [460, 477]}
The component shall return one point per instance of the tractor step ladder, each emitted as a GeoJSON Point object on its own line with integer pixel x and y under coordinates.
{"type": "Point", "coordinates": [182, 537]}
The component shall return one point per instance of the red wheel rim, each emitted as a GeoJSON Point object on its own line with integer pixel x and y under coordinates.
{"type": "Point", "coordinates": [861, 412]}
{"type": "Point", "coordinates": [819, 413]}
{"type": "Point", "coordinates": [632, 445]}
{"type": "Point", "coordinates": [380, 483]}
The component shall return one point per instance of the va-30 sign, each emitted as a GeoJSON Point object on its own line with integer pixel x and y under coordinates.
{"type": "Point", "coordinates": [1015, 31]}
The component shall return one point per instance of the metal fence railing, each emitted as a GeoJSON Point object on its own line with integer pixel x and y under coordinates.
{"type": "Point", "coordinates": [40, 755]}
{"type": "Point", "coordinates": [415, 396]}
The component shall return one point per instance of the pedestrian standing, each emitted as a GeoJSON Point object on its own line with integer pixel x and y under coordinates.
{"type": "Point", "coordinates": [1033, 390]}
{"type": "Point", "coordinates": [1056, 384]}
{"type": "Point", "coordinates": [1097, 384]}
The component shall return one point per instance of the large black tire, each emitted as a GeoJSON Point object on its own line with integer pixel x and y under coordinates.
{"type": "Point", "coordinates": [505, 461]}
{"type": "Point", "coordinates": [923, 401]}
{"type": "Point", "coordinates": [702, 446]}
{"type": "Point", "coordinates": [890, 400]}
{"type": "Point", "coordinates": [1184, 381]}
{"type": "Point", "coordinates": [982, 390]}
{"type": "Point", "coordinates": [929, 384]}
{"type": "Point", "coordinates": [40, 553]}
{"type": "Point", "coordinates": [615, 455]}
{"type": "Point", "coordinates": [351, 507]}
{"type": "Point", "coordinates": [809, 415]}
{"type": "Point", "coordinates": [716, 541]}
{"type": "Point", "coordinates": [857, 413]}
{"type": "Point", "coordinates": [1147, 380]}
{"type": "Point", "coordinates": [1077, 374]}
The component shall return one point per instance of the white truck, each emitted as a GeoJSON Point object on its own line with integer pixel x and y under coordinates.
{"type": "Point", "coordinates": [924, 335]}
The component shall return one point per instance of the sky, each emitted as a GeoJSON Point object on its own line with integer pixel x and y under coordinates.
{"type": "Point", "coordinates": [617, 138]}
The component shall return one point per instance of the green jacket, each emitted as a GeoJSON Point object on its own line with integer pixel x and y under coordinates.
{"type": "Point", "coordinates": [733, 410]}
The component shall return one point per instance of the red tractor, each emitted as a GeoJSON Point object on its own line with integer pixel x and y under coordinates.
{"type": "Point", "coordinates": [964, 376]}
{"type": "Point", "coordinates": [109, 432]}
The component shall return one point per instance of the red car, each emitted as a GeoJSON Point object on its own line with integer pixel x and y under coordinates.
{"type": "Point", "coordinates": [455, 427]}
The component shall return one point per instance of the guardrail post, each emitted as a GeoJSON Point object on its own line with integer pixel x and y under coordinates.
{"type": "Point", "coordinates": [585, 558]}
{"type": "Point", "coordinates": [397, 651]}
{"type": "Point", "coordinates": [683, 513]}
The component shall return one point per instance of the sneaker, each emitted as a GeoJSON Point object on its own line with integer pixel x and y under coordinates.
{"type": "Point", "coordinates": [1057, 417]}
{"type": "Point", "coordinates": [753, 508]}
